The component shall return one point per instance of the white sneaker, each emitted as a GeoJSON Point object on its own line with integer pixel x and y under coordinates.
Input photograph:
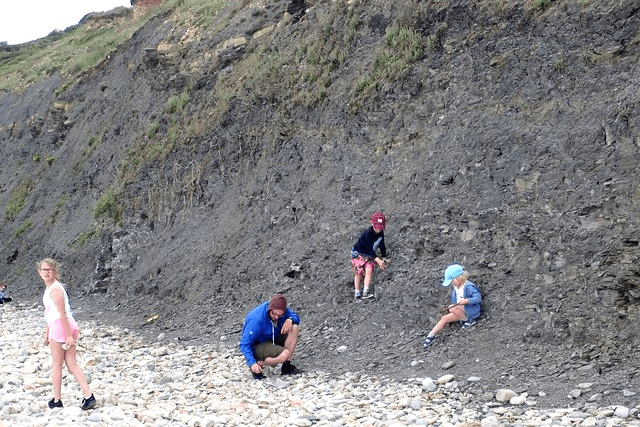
{"type": "Point", "coordinates": [367, 295]}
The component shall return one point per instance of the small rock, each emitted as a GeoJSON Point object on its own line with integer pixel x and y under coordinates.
{"type": "Point", "coordinates": [429, 385]}
{"type": "Point", "coordinates": [622, 412]}
{"type": "Point", "coordinates": [517, 400]}
{"type": "Point", "coordinates": [445, 379]}
{"type": "Point", "coordinates": [448, 364]}
{"type": "Point", "coordinates": [505, 395]}
{"type": "Point", "coordinates": [415, 404]}
{"type": "Point", "coordinates": [161, 351]}
{"type": "Point", "coordinates": [575, 393]}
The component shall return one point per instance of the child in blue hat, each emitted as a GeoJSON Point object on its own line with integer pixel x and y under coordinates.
{"type": "Point", "coordinates": [466, 301]}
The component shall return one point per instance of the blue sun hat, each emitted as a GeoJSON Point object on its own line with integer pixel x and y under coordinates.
{"type": "Point", "coordinates": [451, 272]}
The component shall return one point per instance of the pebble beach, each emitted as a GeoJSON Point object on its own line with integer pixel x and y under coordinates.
{"type": "Point", "coordinates": [168, 383]}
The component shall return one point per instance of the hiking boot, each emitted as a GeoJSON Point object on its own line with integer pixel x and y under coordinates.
{"type": "Point", "coordinates": [427, 342]}
{"type": "Point", "coordinates": [288, 369]}
{"type": "Point", "coordinates": [259, 376]}
{"type": "Point", "coordinates": [88, 403]}
{"type": "Point", "coordinates": [54, 404]}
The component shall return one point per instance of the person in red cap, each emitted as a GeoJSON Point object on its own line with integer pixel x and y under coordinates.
{"type": "Point", "coordinates": [363, 254]}
{"type": "Point", "coordinates": [270, 336]}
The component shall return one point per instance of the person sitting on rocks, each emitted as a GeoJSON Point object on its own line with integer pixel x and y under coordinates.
{"type": "Point", "coordinates": [466, 301]}
{"type": "Point", "coordinates": [270, 336]}
{"type": "Point", "coordinates": [61, 334]}
{"type": "Point", "coordinates": [363, 254]}
{"type": "Point", "coordinates": [3, 294]}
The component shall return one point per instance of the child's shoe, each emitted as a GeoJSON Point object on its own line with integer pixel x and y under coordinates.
{"type": "Point", "coordinates": [427, 342]}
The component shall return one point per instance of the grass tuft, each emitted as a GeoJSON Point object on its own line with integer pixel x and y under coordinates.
{"type": "Point", "coordinates": [176, 103]}
{"type": "Point", "coordinates": [84, 237]}
{"type": "Point", "coordinates": [152, 129]}
{"type": "Point", "coordinates": [107, 202]}
{"type": "Point", "coordinates": [17, 200]}
{"type": "Point", "coordinates": [24, 227]}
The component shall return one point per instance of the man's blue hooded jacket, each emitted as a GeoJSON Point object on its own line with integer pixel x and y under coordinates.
{"type": "Point", "coordinates": [259, 328]}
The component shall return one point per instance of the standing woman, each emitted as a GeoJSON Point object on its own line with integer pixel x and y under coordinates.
{"type": "Point", "coordinates": [61, 334]}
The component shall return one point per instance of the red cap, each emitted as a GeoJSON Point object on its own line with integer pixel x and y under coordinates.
{"type": "Point", "coordinates": [278, 302]}
{"type": "Point", "coordinates": [378, 221]}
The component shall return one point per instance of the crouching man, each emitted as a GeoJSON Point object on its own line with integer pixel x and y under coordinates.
{"type": "Point", "coordinates": [269, 336]}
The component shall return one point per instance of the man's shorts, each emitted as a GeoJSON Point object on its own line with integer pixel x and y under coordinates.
{"type": "Point", "coordinates": [268, 349]}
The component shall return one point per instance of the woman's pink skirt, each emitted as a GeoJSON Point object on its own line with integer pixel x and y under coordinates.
{"type": "Point", "coordinates": [56, 330]}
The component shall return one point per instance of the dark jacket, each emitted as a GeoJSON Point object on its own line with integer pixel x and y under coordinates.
{"type": "Point", "coordinates": [367, 244]}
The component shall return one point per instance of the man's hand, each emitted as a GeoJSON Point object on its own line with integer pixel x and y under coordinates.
{"type": "Point", "coordinates": [256, 368]}
{"type": "Point", "coordinates": [286, 326]}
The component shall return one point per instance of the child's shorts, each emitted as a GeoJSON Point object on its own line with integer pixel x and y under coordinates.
{"type": "Point", "coordinates": [460, 312]}
{"type": "Point", "coordinates": [360, 264]}
{"type": "Point", "coordinates": [56, 330]}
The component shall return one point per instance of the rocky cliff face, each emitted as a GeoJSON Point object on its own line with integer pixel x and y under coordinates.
{"type": "Point", "coordinates": [200, 168]}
